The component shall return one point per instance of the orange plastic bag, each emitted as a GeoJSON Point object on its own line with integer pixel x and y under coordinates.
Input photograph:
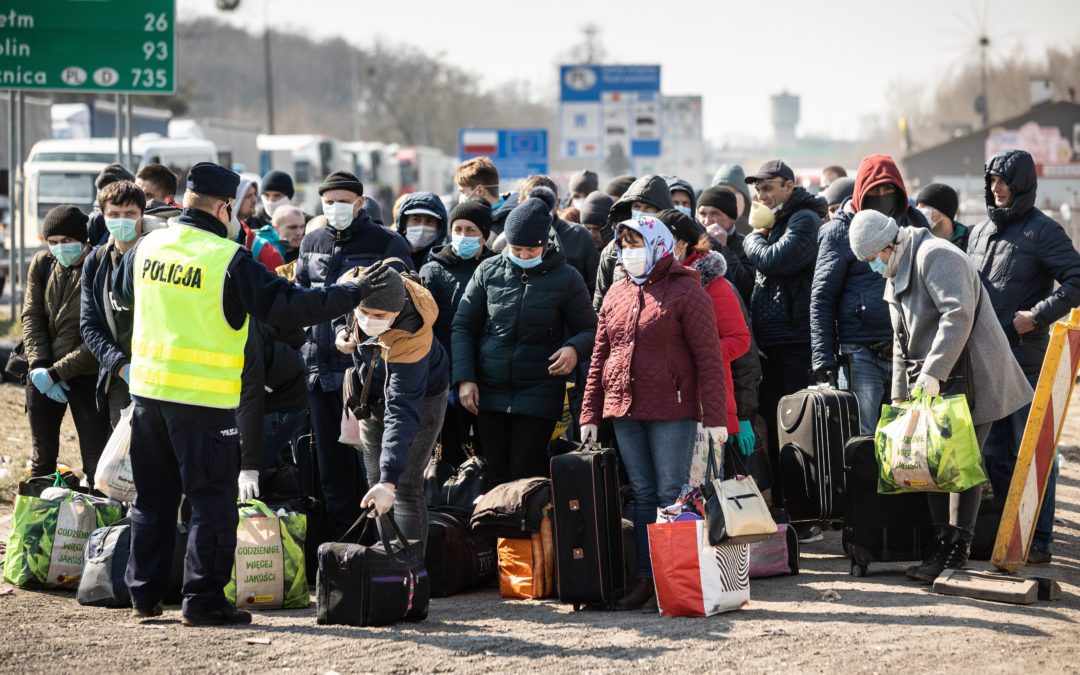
{"type": "Point", "coordinates": [527, 566]}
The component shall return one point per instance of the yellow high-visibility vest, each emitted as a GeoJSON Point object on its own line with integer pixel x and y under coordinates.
{"type": "Point", "coordinates": [182, 348]}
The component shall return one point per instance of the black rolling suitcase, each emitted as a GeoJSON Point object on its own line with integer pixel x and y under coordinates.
{"type": "Point", "coordinates": [813, 426]}
{"type": "Point", "coordinates": [588, 527]}
{"type": "Point", "coordinates": [879, 528]}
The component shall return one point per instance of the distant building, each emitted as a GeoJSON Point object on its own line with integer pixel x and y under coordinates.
{"type": "Point", "coordinates": [1049, 131]}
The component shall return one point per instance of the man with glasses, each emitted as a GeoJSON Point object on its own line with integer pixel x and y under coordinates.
{"type": "Point", "coordinates": [782, 253]}
{"type": "Point", "coordinates": [191, 290]}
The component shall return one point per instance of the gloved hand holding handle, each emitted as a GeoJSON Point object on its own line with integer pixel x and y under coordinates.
{"type": "Point", "coordinates": [248, 484]}
{"type": "Point", "coordinates": [373, 278]}
{"type": "Point", "coordinates": [381, 495]}
{"type": "Point", "coordinates": [929, 385]}
{"type": "Point", "coordinates": [589, 433]}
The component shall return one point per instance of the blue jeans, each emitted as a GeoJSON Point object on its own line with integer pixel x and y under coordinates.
{"type": "Point", "coordinates": [280, 430]}
{"type": "Point", "coordinates": [870, 378]}
{"type": "Point", "coordinates": [999, 455]}
{"type": "Point", "coordinates": [656, 454]}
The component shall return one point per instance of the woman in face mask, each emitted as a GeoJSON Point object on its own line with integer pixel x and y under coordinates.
{"type": "Point", "coordinates": [657, 370]}
{"type": "Point", "coordinates": [521, 327]}
{"type": "Point", "coordinates": [62, 369]}
{"type": "Point", "coordinates": [422, 221]}
{"type": "Point", "coordinates": [445, 275]}
{"type": "Point", "coordinates": [393, 348]}
{"type": "Point", "coordinates": [949, 341]}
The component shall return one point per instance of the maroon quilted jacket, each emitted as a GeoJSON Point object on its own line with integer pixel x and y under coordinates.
{"type": "Point", "coordinates": [657, 353]}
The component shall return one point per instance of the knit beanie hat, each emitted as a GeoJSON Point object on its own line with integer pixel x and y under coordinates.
{"type": "Point", "coordinates": [341, 180]}
{"type": "Point", "coordinates": [584, 182]}
{"type": "Point", "coordinates": [595, 208]}
{"type": "Point", "coordinates": [68, 221]}
{"type": "Point", "coordinates": [545, 193]}
{"type": "Point", "coordinates": [619, 185]}
{"type": "Point", "coordinates": [475, 212]}
{"type": "Point", "coordinates": [278, 181]}
{"type": "Point", "coordinates": [390, 298]}
{"type": "Point", "coordinates": [941, 197]}
{"type": "Point", "coordinates": [839, 190]}
{"type": "Point", "coordinates": [682, 227]}
{"type": "Point", "coordinates": [528, 223]}
{"type": "Point", "coordinates": [720, 198]}
{"type": "Point", "coordinates": [111, 174]}
{"type": "Point", "coordinates": [870, 232]}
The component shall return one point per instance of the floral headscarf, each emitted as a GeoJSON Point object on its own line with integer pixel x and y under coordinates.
{"type": "Point", "coordinates": [659, 242]}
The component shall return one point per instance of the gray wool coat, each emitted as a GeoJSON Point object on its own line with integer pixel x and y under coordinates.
{"type": "Point", "coordinates": [934, 295]}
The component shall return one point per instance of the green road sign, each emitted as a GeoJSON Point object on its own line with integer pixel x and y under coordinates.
{"type": "Point", "coordinates": [122, 46]}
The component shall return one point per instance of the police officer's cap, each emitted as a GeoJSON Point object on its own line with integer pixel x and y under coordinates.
{"type": "Point", "coordinates": [212, 180]}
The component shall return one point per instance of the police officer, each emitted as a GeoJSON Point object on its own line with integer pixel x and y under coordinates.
{"type": "Point", "coordinates": [192, 290]}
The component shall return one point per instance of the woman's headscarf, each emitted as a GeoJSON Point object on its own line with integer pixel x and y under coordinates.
{"type": "Point", "coordinates": [659, 242]}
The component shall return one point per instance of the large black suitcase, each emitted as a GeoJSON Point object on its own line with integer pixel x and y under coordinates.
{"type": "Point", "coordinates": [457, 559]}
{"type": "Point", "coordinates": [588, 527]}
{"type": "Point", "coordinates": [105, 561]}
{"type": "Point", "coordinates": [880, 528]}
{"type": "Point", "coordinates": [813, 426]}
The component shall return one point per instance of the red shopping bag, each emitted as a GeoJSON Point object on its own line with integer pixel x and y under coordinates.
{"type": "Point", "coordinates": [693, 578]}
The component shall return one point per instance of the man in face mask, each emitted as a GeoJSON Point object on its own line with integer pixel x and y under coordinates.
{"type": "Point", "coordinates": [349, 239]}
{"type": "Point", "coordinates": [939, 203]}
{"type": "Point", "coordinates": [582, 184]}
{"type": "Point", "coordinates": [276, 191]}
{"type": "Point", "coordinates": [261, 246]}
{"type": "Point", "coordinates": [422, 221]}
{"type": "Point", "coordinates": [851, 332]}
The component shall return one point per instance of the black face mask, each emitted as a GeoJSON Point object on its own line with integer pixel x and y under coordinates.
{"type": "Point", "coordinates": [891, 204]}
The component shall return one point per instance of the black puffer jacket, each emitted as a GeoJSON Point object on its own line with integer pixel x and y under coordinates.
{"type": "Point", "coordinates": [445, 276]}
{"type": "Point", "coordinates": [784, 264]}
{"type": "Point", "coordinates": [1020, 252]}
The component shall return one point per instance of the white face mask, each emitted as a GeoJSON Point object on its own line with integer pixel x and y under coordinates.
{"type": "Point", "coordinates": [371, 327]}
{"type": "Point", "coordinates": [270, 206]}
{"type": "Point", "coordinates": [339, 215]}
{"type": "Point", "coordinates": [576, 203]}
{"type": "Point", "coordinates": [420, 235]}
{"type": "Point", "coordinates": [633, 259]}
{"type": "Point", "coordinates": [234, 228]}
{"type": "Point", "coordinates": [928, 213]}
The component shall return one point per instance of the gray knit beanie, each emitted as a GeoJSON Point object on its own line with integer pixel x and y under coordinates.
{"type": "Point", "coordinates": [391, 298]}
{"type": "Point", "coordinates": [839, 190]}
{"type": "Point", "coordinates": [870, 232]}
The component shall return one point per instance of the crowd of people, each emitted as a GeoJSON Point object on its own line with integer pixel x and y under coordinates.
{"type": "Point", "coordinates": [237, 323]}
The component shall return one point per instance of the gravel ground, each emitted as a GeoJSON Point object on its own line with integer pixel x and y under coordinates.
{"type": "Point", "coordinates": [881, 622]}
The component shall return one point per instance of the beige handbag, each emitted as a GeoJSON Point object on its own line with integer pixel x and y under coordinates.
{"type": "Point", "coordinates": [735, 510]}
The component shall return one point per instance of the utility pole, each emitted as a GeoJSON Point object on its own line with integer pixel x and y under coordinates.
{"type": "Point", "coordinates": [984, 47]}
{"type": "Point", "coordinates": [591, 31]}
{"type": "Point", "coordinates": [266, 65]}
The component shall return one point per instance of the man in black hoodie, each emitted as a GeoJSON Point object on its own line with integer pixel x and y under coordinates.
{"type": "Point", "coordinates": [783, 257]}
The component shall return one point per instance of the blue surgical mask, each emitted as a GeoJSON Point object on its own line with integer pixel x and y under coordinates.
{"type": "Point", "coordinates": [465, 247]}
{"type": "Point", "coordinates": [878, 265]}
{"type": "Point", "coordinates": [685, 210]}
{"type": "Point", "coordinates": [638, 214]}
{"type": "Point", "coordinates": [123, 229]}
{"type": "Point", "coordinates": [67, 253]}
{"type": "Point", "coordinates": [524, 264]}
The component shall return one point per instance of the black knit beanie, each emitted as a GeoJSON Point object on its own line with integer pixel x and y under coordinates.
{"type": "Point", "coordinates": [720, 198]}
{"type": "Point", "coordinates": [341, 180]}
{"type": "Point", "coordinates": [278, 181]}
{"type": "Point", "coordinates": [112, 174]}
{"type": "Point", "coordinates": [528, 223]}
{"type": "Point", "coordinates": [475, 212]}
{"type": "Point", "coordinates": [595, 209]}
{"type": "Point", "coordinates": [941, 197]}
{"type": "Point", "coordinates": [390, 298]}
{"type": "Point", "coordinates": [682, 227]}
{"type": "Point", "coordinates": [67, 221]}
{"type": "Point", "coordinates": [619, 185]}
{"type": "Point", "coordinates": [546, 194]}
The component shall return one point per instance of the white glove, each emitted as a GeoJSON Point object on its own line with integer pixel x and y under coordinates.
{"type": "Point", "coordinates": [717, 434]}
{"type": "Point", "coordinates": [381, 495]}
{"type": "Point", "coordinates": [931, 386]}
{"type": "Point", "coordinates": [589, 433]}
{"type": "Point", "coordinates": [248, 484]}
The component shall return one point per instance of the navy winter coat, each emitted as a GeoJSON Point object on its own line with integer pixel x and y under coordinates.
{"type": "Point", "coordinates": [112, 351]}
{"type": "Point", "coordinates": [784, 264]}
{"type": "Point", "coordinates": [847, 298]}
{"type": "Point", "coordinates": [1020, 252]}
{"type": "Point", "coordinates": [446, 275]}
{"type": "Point", "coordinates": [510, 321]}
{"type": "Point", "coordinates": [326, 254]}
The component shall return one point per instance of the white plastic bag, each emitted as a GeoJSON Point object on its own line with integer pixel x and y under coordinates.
{"type": "Point", "coordinates": [113, 476]}
{"type": "Point", "coordinates": [350, 428]}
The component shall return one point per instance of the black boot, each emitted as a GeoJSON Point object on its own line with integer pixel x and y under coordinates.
{"type": "Point", "coordinates": [641, 593]}
{"type": "Point", "coordinates": [934, 562]}
{"type": "Point", "coordinates": [957, 555]}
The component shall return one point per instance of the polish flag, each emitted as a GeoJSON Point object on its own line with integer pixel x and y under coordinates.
{"type": "Point", "coordinates": [480, 143]}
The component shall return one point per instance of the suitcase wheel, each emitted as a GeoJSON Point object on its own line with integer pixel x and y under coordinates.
{"type": "Point", "coordinates": [857, 570]}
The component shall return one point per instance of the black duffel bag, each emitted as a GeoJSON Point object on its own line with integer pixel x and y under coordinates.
{"type": "Point", "coordinates": [457, 559]}
{"type": "Point", "coordinates": [451, 489]}
{"type": "Point", "coordinates": [368, 579]}
{"type": "Point", "coordinates": [105, 561]}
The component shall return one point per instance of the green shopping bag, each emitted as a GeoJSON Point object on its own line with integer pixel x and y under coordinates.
{"type": "Point", "coordinates": [48, 537]}
{"type": "Point", "coordinates": [268, 569]}
{"type": "Point", "coordinates": [927, 445]}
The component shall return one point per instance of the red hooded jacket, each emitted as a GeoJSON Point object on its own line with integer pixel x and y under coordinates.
{"type": "Point", "coordinates": [875, 170]}
{"type": "Point", "coordinates": [657, 354]}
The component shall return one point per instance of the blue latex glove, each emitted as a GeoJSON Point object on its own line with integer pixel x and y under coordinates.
{"type": "Point", "coordinates": [57, 392]}
{"type": "Point", "coordinates": [40, 378]}
{"type": "Point", "coordinates": [745, 439]}
{"type": "Point", "coordinates": [125, 373]}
